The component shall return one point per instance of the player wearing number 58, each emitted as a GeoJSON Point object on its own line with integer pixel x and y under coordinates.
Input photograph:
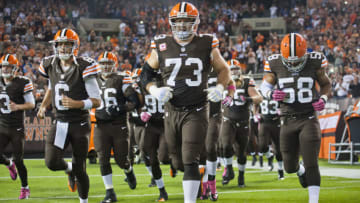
{"type": "Point", "coordinates": [294, 72]}
{"type": "Point", "coordinates": [185, 59]}
{"type": "Point", "coordinates": [73, 90]}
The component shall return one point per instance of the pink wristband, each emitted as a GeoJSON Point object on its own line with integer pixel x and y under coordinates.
{"type": "Point", "coordinates": [231, 87]}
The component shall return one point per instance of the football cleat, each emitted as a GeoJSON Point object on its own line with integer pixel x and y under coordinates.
{"type": "Point", "coordinates": [131, 179]}
{"type": "Point", "coordinates": [12, 171]}
{"type": "Point", "coordinates": [254, 159]}
{"type": "Point", "coordinates": [241, 181]}
{"type": "Point", "coordinates": [72, 182]}
{"type": "Point", "coordinates": [281, 174]}
{"type": "Point", "coordinates": [24, 193]}
{"type": "Point", "coordinates": [261, 160]}
{"type": "Point", "coordinates": [270, 163]}
{"type": "Point", "coordinates": [229, 175]}
{"type": "Point", "coordinates": [152, 183]}
{"type": "Point", "coordinates": [163, 197]}
{"type": "Point", "coordinates": [109, 197]}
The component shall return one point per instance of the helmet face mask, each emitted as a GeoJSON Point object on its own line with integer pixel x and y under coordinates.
{"type": "Point", "coordinates": [64, 49]}
{"type": "Point", "coordinates": [8, 70]}
{"type": "Point", "coordinates": [107, 67]}
{"type": "Point", "coordinates": [183, 28]}
{"type": "Point", "coordinates": [235, 72]}
{"type": "Point", "coordinates": [293, 52]}
{"type": "Point", "coordinates": [294, 65]}
{"type": "Point", "coordinates": [66, 44]}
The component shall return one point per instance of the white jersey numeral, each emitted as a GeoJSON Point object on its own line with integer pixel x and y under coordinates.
{"type": "Point", "coordinates": [177, 65]}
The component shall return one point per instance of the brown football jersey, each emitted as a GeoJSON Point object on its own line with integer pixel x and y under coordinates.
{"type": "Point", "coordinates": [185, 68]}
{"type": "Point", "coordinates": [239, 110]}
{"type": "Point", "coordinates": [70, 83]}
{"type": "Point", "coordinates": [13, 92]}
{"type": "Point", "coordinates": [215, 107]}
{"type": "Point", "coordinates": [269, 109]}
{"type": "Point", "coordinates": [299, 86]}
{"type": "Point", "coordinates": [112, 93]}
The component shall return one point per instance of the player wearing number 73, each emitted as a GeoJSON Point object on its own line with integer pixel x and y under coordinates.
{"type": "Point", "coordinates": [295, 72]}
{"type": "Point", "coordinates": [73, 90]}
{"type": "Point", "coordinates": [184, 59]}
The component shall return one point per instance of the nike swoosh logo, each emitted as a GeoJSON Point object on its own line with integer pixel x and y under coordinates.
{"type": "Point", "coordinates": [83, 123]}
{"type": "Point", "coordinates": [18, 129]}
{"type": "Point", "coordinates": [123, 128]}
{"type": "Point", "coordinates": [199, 109]}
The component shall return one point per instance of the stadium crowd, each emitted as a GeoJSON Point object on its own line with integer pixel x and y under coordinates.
{"type": "Point", "coordinates": [27, 26]}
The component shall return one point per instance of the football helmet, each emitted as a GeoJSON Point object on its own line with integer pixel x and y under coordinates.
{"type": "Point", "coordinates": [70, 43]}
{"type": "Point", "coordinates": [108, 63]}
{"type": "Point", "coordinates": [234, 68]}
{"type": "Point", "coordinates": [9, 60]}
{"type": "Point", "coordinates": [184, 20]}
{"type": "Point", "coordinates": [293, 52]}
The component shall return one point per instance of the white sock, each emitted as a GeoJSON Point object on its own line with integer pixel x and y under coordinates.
{"type": "Point", "coordinates": [159, 183]}
{"type": "Point", "coordinates": [26, 187]}
{"type": "Point", "coordinates": [205, 177]}
{"type": "Point", "coordinates": [83, 200]}
{"type": "Point", "coordinates": [148, 168]}
{"type": "Point", "coordinates": [211, 167]}
{"type": "Point", "coordinates": [314, 192]}
{"type": "Point", "coordinates": [128, 170]}
{"type": "Point", "coordinates": [241, 167]}
{"type": "Point", "coordinates": [11, 162]}
{"type": "Point", "coordinates": [69, 168]}
{"type": "Point", "coordinates": [260, 154]}
{"type": "Point", "coordinates": [191, 188]}
{"type": "Point", "coordinates": [223, 161]}
{"type": "Point", "coordinates": [252, 153]}
{"type": "Point", "coordinates": [228, 161]}
{"type": "Point", "coordinates": [269, 154]}
{"type": "Point", "coordinates": [218, 160]}
{"type": "Point", "coordinates": [301, 170]}
{"type": "Point", "coordinates": [107, 179]}
{"type": "Point", "coordinates": [280, 165]}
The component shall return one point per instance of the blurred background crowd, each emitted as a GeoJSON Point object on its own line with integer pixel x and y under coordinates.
{"type": "Point", "coordinates": [332, 27]}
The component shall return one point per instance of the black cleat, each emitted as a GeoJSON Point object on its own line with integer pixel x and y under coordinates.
{"type": "Point", "coordinates": [281, 174]}
{"type": "Point", "coordinates": [261, 161]}
{"type": "Point", "coordinates": [131, 179]}
{"type": "Point", "coordinates": [72, 182]}
{"type": "Point", "coordinates": [173, 171]}
{"type": "Point", "coordinates": [229, 175]}
{"type": "Point", "coordinates": [254, 159]}
{"type": "Point", "coordinates": [213, 197]}
{"type": "Point", "coordinates": [163, 197]}
{"type": "Point", "coordinates": [110, 196]}
{"type": "Point", "coordinates": [241, 181]}
{"type": "Point", "coordinates": [152, 183]}
{"type": "Point", "coordinates": [270, 163]}
{"type": "Point", "coordinates": [302, 180]}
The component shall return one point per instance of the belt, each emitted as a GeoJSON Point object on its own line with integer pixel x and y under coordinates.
{"type": "Point", "coordinates": [237, 123]}
{"type": "Point", "coordinates": [296, 116]}
{"type": "Point", "coordinates": [197, 107]}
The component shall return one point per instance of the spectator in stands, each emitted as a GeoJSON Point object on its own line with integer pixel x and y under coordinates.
{"type": "Point", "coordinates": [355, 87]}
{"type": "Point", "coordinates": [126, 66]}
{"type": "Point", "coordinates": [251, 61]}
{"type": "Point", "coordinates": [341, 88]}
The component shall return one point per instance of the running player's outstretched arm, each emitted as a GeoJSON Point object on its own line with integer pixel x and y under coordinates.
{"type": "Point", "coordinates": [148, 73]}
{"type": "Point", "coordinates": [324, 82]}
{"type": "Point", "coordinates": [221, 67]}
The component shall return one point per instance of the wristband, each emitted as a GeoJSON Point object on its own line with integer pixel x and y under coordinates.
{"type": "Point", "coordinates": [87, 104]}
{"type": "Point", "coordinates": [231, 87]}
{"type": "Point", "coordinates": [324, 97]}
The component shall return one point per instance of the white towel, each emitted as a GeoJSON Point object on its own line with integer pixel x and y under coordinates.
{"type": "Point", "coordinates": [61, 133]}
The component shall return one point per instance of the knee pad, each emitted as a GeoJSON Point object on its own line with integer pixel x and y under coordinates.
{"type": "Point", "coordinates": [191, 172]}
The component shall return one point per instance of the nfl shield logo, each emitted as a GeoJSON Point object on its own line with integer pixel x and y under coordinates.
{"type": "Point", "coordinates": [162, 47]}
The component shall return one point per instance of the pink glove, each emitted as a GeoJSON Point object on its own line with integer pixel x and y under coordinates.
{"type": "Point", "coordinates": [227, 101]}
{"type": "Point", "coordinates": [145, 116]}
{"type": "Point", "coordinates": [319, 105]}
{"type": "Point", "coordinates": [256, 118]}
{"type": "Point", "coordinates": [278, 95]}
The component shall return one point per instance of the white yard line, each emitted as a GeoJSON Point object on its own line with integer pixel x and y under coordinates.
{"type": "Point", "coordinates": [180, 194]}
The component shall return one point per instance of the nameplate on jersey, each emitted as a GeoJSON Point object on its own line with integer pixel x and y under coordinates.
{"type": "Point", "coordinates": [61, 133]}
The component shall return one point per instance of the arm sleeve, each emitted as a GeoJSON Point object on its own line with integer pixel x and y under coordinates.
{"type": "Point", "coordinates": [29, 98]}
{"type": "Point", "coordinates": [49, 85]}
{"type": "Point", "coordinates": [92, 87]}
{"type": "Point", "coordinates": [28, 86]}
{"type": "Point", "coordinates": [42, 70]}
{"type": "Point", "coordinates": [91, 69]}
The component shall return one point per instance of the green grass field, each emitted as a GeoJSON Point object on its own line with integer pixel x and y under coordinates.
{"type": "Point", "coordinates": [261, 186]}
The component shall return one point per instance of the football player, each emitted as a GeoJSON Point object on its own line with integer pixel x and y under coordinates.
{"type": "Point", "coordinates": [73, 91]}
{"type": "Point", "coordinates": [185, 59]}
{"type": "Point", "coordinates": [215, 120]}
{"type": "Point", "coordinates": [235, 127]}
{"type": "Point", "coordinates": [16, 96]}
{"type": "Point", "coordinates": [269, 132]}
{"type": "Point", "coordinates": [153, 135]}
{"type": "Point", "coordinates": [295, 72]}
{"type": "Point", "coordinates": [111, 131]}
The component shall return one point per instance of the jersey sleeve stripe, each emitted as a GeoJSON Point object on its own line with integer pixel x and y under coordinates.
{"type": "Point", "coordinates": [91, 69]}
{"type": "Point", "coordinates": [28, 88]}
{"type": "Point", "coordinates": [323, 65]}
{"type": "Point", "coordinates": [153, 45]}
{"type": "Point", "coordinates": [41, 70]}
{"type": "Point", "coordinates": [93, 72]}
